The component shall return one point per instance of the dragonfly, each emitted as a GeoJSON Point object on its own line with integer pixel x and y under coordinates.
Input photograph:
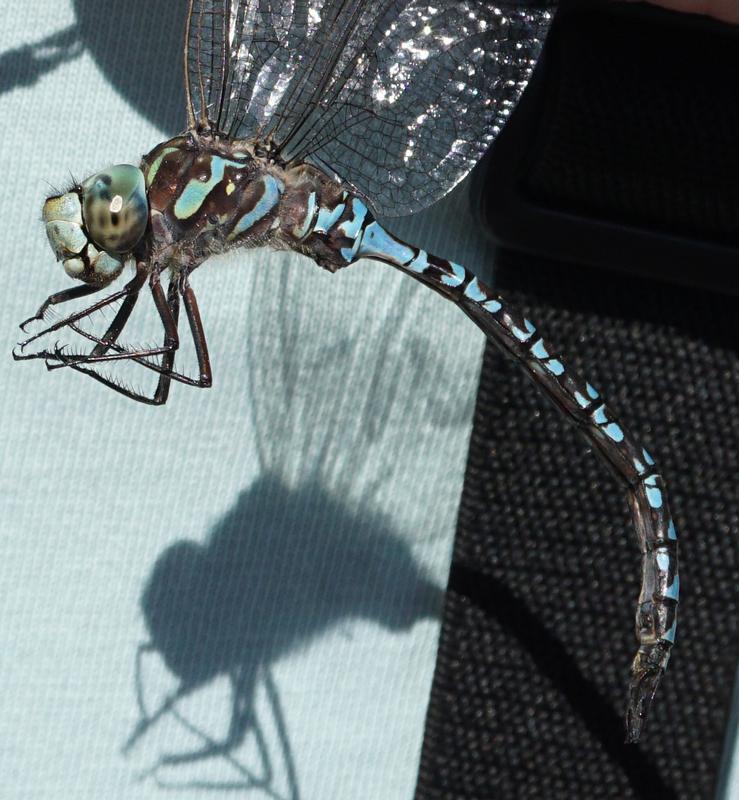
{"type": "Point", "coordinates": [306, 121]}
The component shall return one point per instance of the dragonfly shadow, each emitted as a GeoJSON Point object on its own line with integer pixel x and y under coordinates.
{"type": "Point", "coordinates": [279, 570]}
{"type": "Point", "coordinates": [137, 45]}
{"type": "Point", "coordinates": [25, 65]}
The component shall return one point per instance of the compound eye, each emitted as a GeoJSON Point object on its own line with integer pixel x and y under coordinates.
{"type": "Point", "coordinates": [115, 208]}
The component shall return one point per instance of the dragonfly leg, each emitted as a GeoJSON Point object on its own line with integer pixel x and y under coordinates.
{"type": "Point", "coordinates": [122, 315]}
{"type": "Point", "coordinates": [130, 290]}
{"type": "Point", "coordinates": [134, 356]}
{"type": "Point", "coordinates": [165, 307]}
{"type": "Point", "coordinates": [169, 311]}
{"type": "Point", "coordinates": [60, 297]}
{"type": "Point", "coordinates": [165, 378]}
{"type": "Point", "coordinates": [141, 356]}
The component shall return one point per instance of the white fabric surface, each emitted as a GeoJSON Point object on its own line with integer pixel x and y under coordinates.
{"type": "Point", "coordinates": [328, 457]}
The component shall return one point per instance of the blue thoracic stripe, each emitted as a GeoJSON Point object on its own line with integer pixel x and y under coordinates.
{"type": "Point", "coordinates": [196, 191]}
{"type": "Point", "coordinates": [304, 229]}
{"type": "Point", "coordinates": [271, 196]}
{"type": "Point", "coordinates": [151, 173]}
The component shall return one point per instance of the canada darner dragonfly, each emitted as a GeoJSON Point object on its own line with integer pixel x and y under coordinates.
{"type": "Point", "coordinates": [305, 119]}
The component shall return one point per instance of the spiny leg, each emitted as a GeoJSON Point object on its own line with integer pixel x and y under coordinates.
{"type": "Point", "coordinates": [165, 378]}
{"type": "Point", "coordinates": [169, 312]}
{"type": "Point", "coordinates": [358, 235]}
{"type": "Point", "coordinates": [182, 286]}
{"type": "Point", "coordinates": [140, 356]}
{"type": "Point", "coordinates": [83, 290]}
{"type": "Point", "coordinates": [112, 384]}
{"type": "Point", "coordinates": [122, 315]}
{"type": "Point", "coordinates": [130, 289]}
{"type": "Point", "coordinates": [165, 307]}
{"type": "Point", "coordinates": [133, 356]}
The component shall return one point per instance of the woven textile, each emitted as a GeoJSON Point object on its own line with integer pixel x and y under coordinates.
{"type": "Point", "coordinates": [641, 122]}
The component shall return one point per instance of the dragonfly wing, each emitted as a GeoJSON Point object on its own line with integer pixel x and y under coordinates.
{"type": "Point", "coordinates": [397, 99]}
{"type": "Point", "coordinates": [238, 55]}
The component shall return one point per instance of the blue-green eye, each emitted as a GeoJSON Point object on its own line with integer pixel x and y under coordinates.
{"type": "Point", "coordinates": [115, 208]}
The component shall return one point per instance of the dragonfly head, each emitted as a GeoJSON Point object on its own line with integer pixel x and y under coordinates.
{"type": "Point", "coordinates": [94, 226]}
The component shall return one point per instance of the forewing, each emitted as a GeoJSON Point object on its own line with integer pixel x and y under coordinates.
{"type": "Point", "coordinates": [398, 99]}
{"type": "Point", "coordinates": [239, 54]}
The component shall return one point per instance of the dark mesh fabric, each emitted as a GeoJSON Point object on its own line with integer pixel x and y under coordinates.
{"type": "Point", "coordinates": [537, 637]}
{"type": "Point", "coordinates": [639, 124]}
{"type": "Point", "coordinates": [642, 115]}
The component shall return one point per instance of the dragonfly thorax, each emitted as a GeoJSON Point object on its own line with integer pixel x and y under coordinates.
{"type": "Point", "coordinates": [207, 195]}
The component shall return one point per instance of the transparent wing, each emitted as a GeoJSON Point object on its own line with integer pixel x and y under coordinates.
{"type": "Point", "coordinates": [398, 99]}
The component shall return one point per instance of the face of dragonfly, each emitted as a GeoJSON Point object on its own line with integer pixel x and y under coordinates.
{"type": "Point", "coordinates": [93, 227]}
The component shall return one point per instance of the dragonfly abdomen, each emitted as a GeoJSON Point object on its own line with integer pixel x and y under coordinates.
{"type": "Point", "coordinates": [350, 230]}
